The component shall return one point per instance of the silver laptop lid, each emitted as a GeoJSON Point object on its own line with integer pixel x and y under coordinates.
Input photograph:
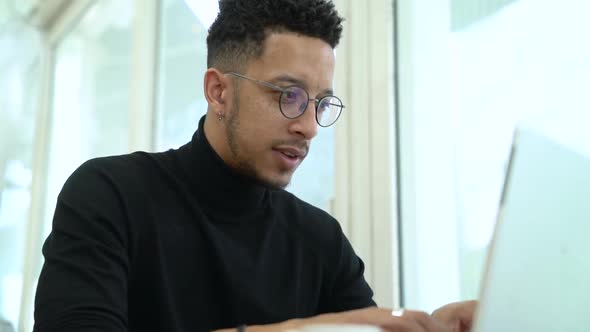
{"type": "Point", "coordinates": [538, 271]}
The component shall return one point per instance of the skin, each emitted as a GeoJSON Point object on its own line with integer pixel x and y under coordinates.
{"type": "Point", "coordinates": [410, 321]}
{"type": "Point", "coordinates": [251, 131]}
{"type": "Point", "coordinates": [253, 128]}
{"type": "Point", "coordinates": [457, 316]}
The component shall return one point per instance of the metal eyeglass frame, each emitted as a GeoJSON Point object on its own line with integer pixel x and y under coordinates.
{"type": "Point", "coordinates": [283, 90]}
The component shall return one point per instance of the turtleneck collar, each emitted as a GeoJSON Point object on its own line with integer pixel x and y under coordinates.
{"type": "Point", "coordinates": [217, 185]}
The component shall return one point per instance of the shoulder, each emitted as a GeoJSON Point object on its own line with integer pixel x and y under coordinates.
{"type": "Point", "coordinates": [114, 181]}
{"type": "Point", "coordinates": [107, 190]}
{"type": "Point", "coordinates": [118, 171]}
{"type": "Point", "coordinates": [125, 165]}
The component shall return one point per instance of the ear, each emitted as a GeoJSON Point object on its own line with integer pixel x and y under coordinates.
{"type": "Point", "coordinates": [215, 87]}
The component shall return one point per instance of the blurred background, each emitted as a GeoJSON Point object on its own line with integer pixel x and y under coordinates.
{"type": "Point", "coordinates": [413, 169]}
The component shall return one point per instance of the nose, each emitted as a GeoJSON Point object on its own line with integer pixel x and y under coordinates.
{"type": "Point", "coordinates": [306, 125]}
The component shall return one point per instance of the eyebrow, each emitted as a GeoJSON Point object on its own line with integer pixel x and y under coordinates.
{"type": "Point", "coordinates": [295, 81]}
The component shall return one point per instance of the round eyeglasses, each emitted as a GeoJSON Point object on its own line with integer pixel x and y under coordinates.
{"type": "Point", "coordinates": [294, 100]}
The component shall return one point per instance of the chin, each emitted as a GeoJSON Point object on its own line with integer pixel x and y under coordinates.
{"type": "Point", "coordinates": [270, 177]}
{"type": "Point", "coordinates": [275, 182]}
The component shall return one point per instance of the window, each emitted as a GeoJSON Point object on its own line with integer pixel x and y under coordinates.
{"type": "Point", "coordinates": [19, 81]}
{"type": "Point", "coordinates": [90, 113]}
{"type": "Point", "coordinates": [183, 62]}
{"type": "Point", "coordinates": [470, 73]}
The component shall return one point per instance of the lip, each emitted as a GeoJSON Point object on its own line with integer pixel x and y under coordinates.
{"type": "Point", "coordinates": [289, 157]}
{"type": "Point", "coordinates": [293, 151]}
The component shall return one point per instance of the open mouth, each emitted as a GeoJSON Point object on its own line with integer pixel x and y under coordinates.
{"type": "Point", "coordinates": [290, 155]}
{"type": "Point", "coordinates": [289, 158]}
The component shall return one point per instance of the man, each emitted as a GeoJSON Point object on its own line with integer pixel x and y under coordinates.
{"type": "Point", "coordinates": [204, 237]}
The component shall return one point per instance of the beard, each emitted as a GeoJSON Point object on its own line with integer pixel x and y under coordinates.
{"type": "Point", "coordinates": [242, 164]}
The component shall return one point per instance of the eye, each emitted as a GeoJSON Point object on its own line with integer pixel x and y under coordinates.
{"type": "Point", "coordinates": [324, 105]}
{"type": "Point", "coordinates": [290, 96]}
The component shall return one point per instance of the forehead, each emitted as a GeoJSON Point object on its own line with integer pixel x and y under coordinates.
{"type": "Point", "coordinates": [308, 59]}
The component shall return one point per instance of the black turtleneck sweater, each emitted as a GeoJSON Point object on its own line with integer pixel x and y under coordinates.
{"type": "Point", "coordinates": [176, 241]}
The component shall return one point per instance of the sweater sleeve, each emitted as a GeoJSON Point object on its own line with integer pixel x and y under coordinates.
{"type": "Point", "coordinates": [83, 283]}
{"type": "Point", "coordinates": [349, 289]}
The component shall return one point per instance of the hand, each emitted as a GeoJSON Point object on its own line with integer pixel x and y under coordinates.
{"type": "Point", "coordinates": [409, 321]}
{"type": "Point", "coordinates": [457, 316]}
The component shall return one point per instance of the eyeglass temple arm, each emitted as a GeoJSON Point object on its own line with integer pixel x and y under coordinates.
{"type": "Point", "coordinates": [275, 87]}
{"type": "Point", "coordinates": [266, 84]}
{"type": "Point", "coordinates": [317, 100]}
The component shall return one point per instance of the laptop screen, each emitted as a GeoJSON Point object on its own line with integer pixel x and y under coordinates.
{"type": "Point", "coordinates": [538, 270]}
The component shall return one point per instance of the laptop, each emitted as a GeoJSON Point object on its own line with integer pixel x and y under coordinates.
{"type": "Point", "coordinates": [537, 276]}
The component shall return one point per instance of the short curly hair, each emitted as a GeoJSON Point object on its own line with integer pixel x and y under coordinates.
{"type": "Point", "coordinates": [240, 29]}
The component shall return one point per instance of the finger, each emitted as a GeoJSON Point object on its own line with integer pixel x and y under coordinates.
{"type": "Point", "coordinates": [457, 314]}
{"type": "Point", "coordinates": [397, 312]}
{"type": "Point", "coordinates": [424, 320]}
{"type": "Point", "coordinates": [401, 324]}
{"type": "Point", "coordinates": [386, 319]}
{"type": "Point", "coordinates": [468, 313]}
{"type": "Point", "coordinates": [401, 320]}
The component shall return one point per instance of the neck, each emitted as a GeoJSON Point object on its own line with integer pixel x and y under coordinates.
{"type": "Point", "coordinates": [218, 186]}
{"type": "Point", "coordinates": [215, 134]}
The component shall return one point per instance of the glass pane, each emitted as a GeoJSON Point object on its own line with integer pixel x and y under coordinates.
{"type": "Point", "coordinates": [511, 68]}
{"type": "Point", "coordinates": [314, 179]}
{"type": "Point", "coordinates": [478, 69]}
{"type": "Point", "coordinates": [19, 81]}
{"type": "Point", "coordinates": [183, 62]}
{"type": "Point", "coordinates": [90, 114]}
